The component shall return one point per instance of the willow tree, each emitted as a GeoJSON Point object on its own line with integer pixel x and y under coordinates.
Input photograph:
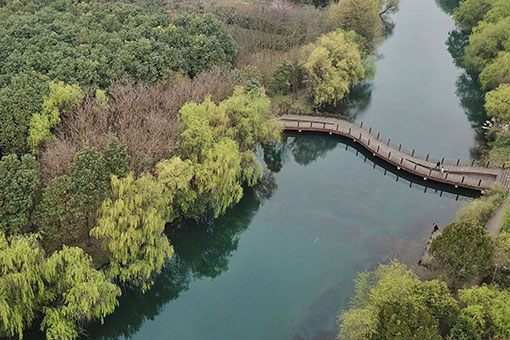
{"type": "Point", "coordinates": [75, 294]}
{"type": "Point", "coordinates": [131, 226]}
{"type": "Point", "coordinates": [176, 175]}
{"type": "Point", "coordinates": [21, 283]}
{"type": "Point", "coordinates": [360, 16]}
{"type": "Point", "coordinates": [332, 65]}
{"type": "Point", "coordinates": [219, 140]}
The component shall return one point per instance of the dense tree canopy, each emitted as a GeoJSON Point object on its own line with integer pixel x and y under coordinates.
{"type": "Point", "coordinates": [69, 205]}
{"type": "Point", "coordinates": [21, 284]}
{"type": "Point", "coordinates": [130, 227]}
{"type": "Point", "coordinates": [486, 42]}
{"type": "Point", "coordinates": [332, 65]}
{"type": "Point", "coordinates": [75, 294]}
{"type": "Point", "coordinates": [360, 16]}
{"type": "Point", "coordinates": [63, 289]}
{"type": "Point", "coordinates": [464, 251]}
{"type": "Point", "coordinates": [470, 12]}
{"type": "Point", "coordinates": [19, 188]}
{"type": "Point", "coordinates": [92, 44]}
{"type": "Point", "coordinates": [392, 303]}
{"type": "Point", "coordinates": [497, 103]}
{"type": "Point", "coordinates": [486, 314]}
{"type": "Point", "coordinates": [219, 141]}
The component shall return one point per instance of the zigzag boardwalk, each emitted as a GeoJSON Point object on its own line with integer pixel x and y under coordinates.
{"type": "Point", "coordinates": [468, 176]}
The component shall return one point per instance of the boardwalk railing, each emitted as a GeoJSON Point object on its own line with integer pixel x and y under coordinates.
{"type": "Point", "coordinates": [469, 176]}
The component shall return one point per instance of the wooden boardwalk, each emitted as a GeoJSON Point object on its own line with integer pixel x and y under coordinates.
{"type": "Point", "coordinates": [470, 176]}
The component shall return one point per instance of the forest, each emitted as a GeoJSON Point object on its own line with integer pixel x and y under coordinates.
{"type": "Point", "coordinates": [120, 118]}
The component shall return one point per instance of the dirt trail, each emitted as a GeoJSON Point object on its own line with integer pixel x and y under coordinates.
{"type": "Point", "coordinates": [495, 222]}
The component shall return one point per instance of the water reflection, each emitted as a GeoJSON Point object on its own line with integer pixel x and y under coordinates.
{"type": "Point", "coordinates": [456, 43]}
{"type": "Point", "coordinates": [447, 6]}
{"type": "Point", "coordinates": [201, 250]}
{"type": "Point", "coordinates": [471, 96]}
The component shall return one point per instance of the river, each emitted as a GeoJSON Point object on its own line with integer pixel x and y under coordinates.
{"type": "Point", "coordinates": [280, 265]}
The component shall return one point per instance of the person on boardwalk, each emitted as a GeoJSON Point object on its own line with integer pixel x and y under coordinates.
{"type": "Point", "coordinates": [442, 171]}
{"type": "Point", "coordinates": [438, 164]}
{"type": "Point", "coordinates": [436, 228]}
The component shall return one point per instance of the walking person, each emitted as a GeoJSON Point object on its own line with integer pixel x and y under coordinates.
{"type": "Point", "coordinates": [438, 164]}
{"type": "Point", "coordinates": [436, 228]}
{"type": "Point", "coordinates": [442, 171]}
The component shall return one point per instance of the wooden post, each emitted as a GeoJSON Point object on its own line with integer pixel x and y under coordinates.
{"type": "Point", "coordinates": [350, 119]}
{"type": "Point", "coordinates": [361, 125]}
{"type": "Point", "coordinates": [336, 127]}
{"type": "Point", "coordinates": [463, 177]}
{"type": "Point", "coordinates": [401, 160]}
{"type": "Point", "coordinates": [446, 177]}
{"type": "Point", "coordinates": [298, 123]}
{"type": "Point", "coordinates": [430, 171]}
{"type": "Point", "coordinates": [458, 161]}
{"type": "Point", "coordinates": [370, 130]}
{"type": "Point", "coordinates": [415, 165]}
{"type": "Point", "coordinates": [349, 131]}
{"type": "Point", "coordinates": [427, 159]}
{"type": "Point", "coordinates": [488, 163]}
{"type": "Point", "coordinates": [311, 124]}
{"type": "Point", "coordinates": [442, 161]}
{"type": "Point", "coordinates": [472, 162]}
{"type": "Point", "coordinates": [400, 147]}
{"type": "Point", "coordinates": [412, 154]}
{"type": "Point", "coordinates": [324, 126]}
{"type": "Point", "coordinates": [389, 155]}
{"type": "Point", "coordinates": [360, 136]}
{"type": "Point", "coordinates": [378, 148]}
{"type": "Point", "coordinates": [389, 140]}
{"type": "Point", "coordinates": [479, 182]}
{"type": "Point", "coordinates": [369, 142]}
{"type": "Point", "coordinates": [378, 135]}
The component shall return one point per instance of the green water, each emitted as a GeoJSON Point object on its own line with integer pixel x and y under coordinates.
{"type": "Point", "coordinates": [280, 265]}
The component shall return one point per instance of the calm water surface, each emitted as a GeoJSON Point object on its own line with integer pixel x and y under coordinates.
{"type": "Point", "coordinates": [281, 264]}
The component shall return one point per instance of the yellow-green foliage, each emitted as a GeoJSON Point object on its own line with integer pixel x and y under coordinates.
{"type": "Point", "coordinates": [496, 73]}
{"type": "Point", "coordinates": [250, 117]}
{"type": "Point", "coordinates": [131, 226]}
{"type": "Point", "coordinates": [392, 303]}
{"type": "Point", "coordinates": [360, 16]}
{"type": "Point", "coordinates": [101, 98]}
{"type": "Point", "coordinates": [175, 175]}
{"type": "Point", "coordinates": [61, 96]}
{"type": "Point", "coordinates": [497, 103]}
{"type": "Point", "coordinates": [470, 12]}
{"type": "Point", "coordinates": [488, 308]}
{"type": "Point", "coordinates": [478, 211]}
{"type": "Point", "coordinates": [64, 289]}
{"type": "Point", "coordinates": [79, 293]}
{"type": "Point", "coordinates": [21, 284]}
{"type": "Point", "coordinates": [332, 65]}
{"type": "Point", "coordinates": [486, 42]}
{"type": "Point", "coordinates": [219, 141]}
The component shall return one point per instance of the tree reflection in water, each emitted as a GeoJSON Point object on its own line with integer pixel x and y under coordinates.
{"type": "Point", "coordinates": [447, 6]}
{"type": "Point", "coordinates": [201, 250]}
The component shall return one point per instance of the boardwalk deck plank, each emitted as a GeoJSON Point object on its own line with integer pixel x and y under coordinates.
{"type": "Point", "coordinates": [462, 175]}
